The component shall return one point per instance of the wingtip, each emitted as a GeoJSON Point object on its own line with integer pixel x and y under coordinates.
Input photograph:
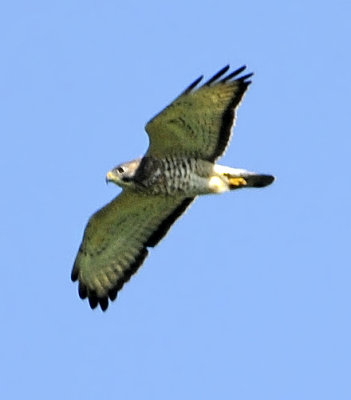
{"type": "Point", "coordinates": [82, 291]}
{"type": "Point", "coordinates": [236, 73]}
{"type": "Point", "coordinates": [217, 75]}
{"type": "Point", "coordinates": [103, 302]}
{"type": "Point", "coordinates": [93, 301]}
{"type": "Point", "coordinates": [112, 294]}
{"type": "Point", "coordinates": [74, 275]}
{"type": "Point", "coordinates": [193, 85]}
{"type": "Point", "coordinates": [245, 77]}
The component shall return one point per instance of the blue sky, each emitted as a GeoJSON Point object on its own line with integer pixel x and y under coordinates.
{"type": "Point", "coordinates": [248, 297]}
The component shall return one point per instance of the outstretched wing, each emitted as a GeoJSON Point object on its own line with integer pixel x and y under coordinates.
{"type": "Point", "coordinates": [116, 239]}
{"type": "Point", "coordinates": [199, 122]}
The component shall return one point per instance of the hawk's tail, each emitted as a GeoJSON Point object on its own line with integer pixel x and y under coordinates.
{"type": "Point", "coordinates": [249, 179]}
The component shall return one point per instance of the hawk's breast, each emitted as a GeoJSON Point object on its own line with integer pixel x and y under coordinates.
{"type": "Point", "coordinates": [174, 176]}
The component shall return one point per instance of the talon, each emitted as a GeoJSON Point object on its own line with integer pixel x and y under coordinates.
{"type": "Point", "coordinates": [237, 181]}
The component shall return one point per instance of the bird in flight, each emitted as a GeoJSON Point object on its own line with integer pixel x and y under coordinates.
{"type": "Point", "coordinates": [186, 139]}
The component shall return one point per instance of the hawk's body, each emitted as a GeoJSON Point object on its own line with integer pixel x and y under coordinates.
{"type": "Point", "coordinates": [185, 140]}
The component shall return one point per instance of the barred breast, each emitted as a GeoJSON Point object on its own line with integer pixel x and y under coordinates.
{"type": "Point", "coordinates": [173, 176]}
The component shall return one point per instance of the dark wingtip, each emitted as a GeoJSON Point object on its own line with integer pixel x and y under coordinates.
{"type": "Point", "coordinates": [103, 301]}
{"type": "Point", "coordinates": [234, 74]}
{"type": "Point", "coordinates": [217, 75]}
{"type": "Point", "coordinates": [112, 294]}
{"type": "Point", "coordinates": [192, 85]}
{"type": "Point", "coordinates": [74, 274]}
{"type": "Point", "coordinates": [245, 77]}
{"type": "Point", "coordinates": [93, 300]}
{"type": "Point", "coordinates": [82, 290]}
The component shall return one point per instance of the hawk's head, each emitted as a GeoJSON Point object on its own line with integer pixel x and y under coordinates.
{"type": "Point", "coordinates": [123, 174]}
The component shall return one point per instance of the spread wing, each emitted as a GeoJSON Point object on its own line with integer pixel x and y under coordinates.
{"type": "Point", "coordinates": [199, 122]}
{"type": "Point", "coordinates": [116, 239]}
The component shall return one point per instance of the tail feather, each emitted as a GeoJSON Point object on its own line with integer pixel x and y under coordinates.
{"type": "Point", "coordinates": [250, 180]}
{"type": "Point", "coordinates": [259, 180]}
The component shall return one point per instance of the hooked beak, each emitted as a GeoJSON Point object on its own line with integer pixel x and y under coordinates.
{"type": "Point", "coordinates": [109, 177]}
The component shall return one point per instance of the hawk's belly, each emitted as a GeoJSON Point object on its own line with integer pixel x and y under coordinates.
{"type": "Point", "coordinates": [177, 176]}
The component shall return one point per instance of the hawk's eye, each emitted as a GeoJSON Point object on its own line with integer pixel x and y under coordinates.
{"type": "Point", "coordinates": [120, 170]}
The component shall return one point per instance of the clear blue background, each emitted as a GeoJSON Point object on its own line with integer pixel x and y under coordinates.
{"type": "Point", "coordinates": [248, 297]}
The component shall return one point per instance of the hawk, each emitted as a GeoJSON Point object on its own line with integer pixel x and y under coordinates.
{"type": "Point", "coordinates": [186, 139]}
